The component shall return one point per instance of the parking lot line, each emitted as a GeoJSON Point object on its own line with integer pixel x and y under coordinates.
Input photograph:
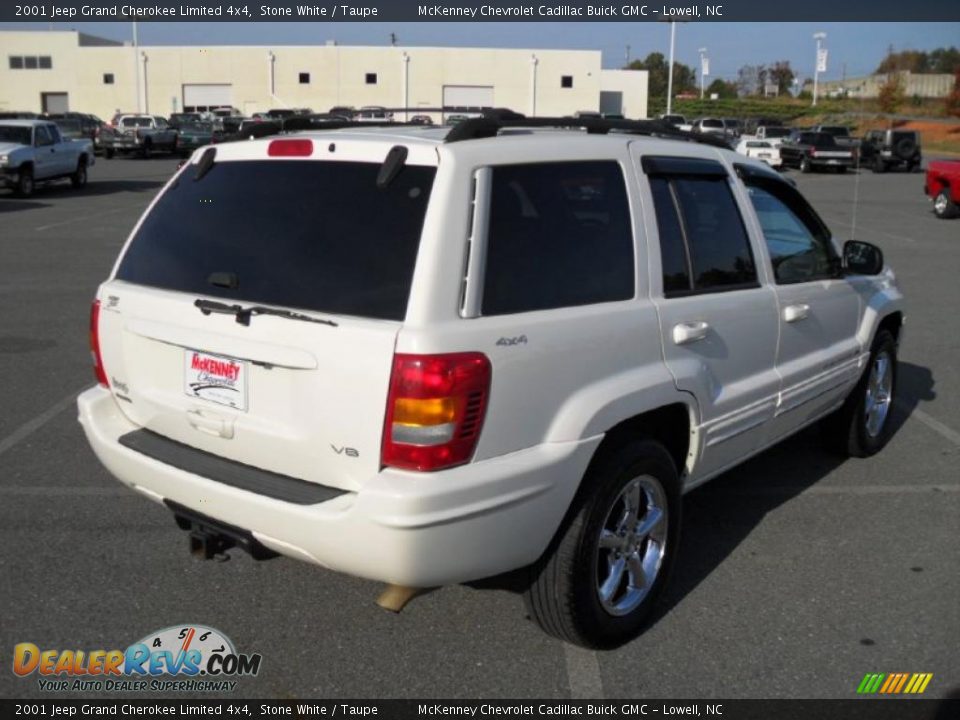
{"type": "Point", "coordinates": [38, 422]}
{"type": "Point", "coordinates": [82, 218]}
{"type": "Point", "coordinates": [937, 426]}
{"type": "Point", "coordinates": [53, 491]}
{"type": "Point", "coordinates": [583, 673]}
{"type": "Point", "coordinates": [862, 227]}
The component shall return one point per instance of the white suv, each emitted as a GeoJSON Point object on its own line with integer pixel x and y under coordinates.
{"type": "Point", "coordinates": [429, 355]}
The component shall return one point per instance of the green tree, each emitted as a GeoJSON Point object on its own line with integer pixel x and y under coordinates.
{"type": "Point", "coordinates": [945, 60]}
{"type": "Point", "coordinates": [722, 89]}
{"type": "Point", "coordinates": [655, 63]}
{"type": "Point", "coordinates": [940, 60]}
{"type": "Point", "coordinates": [782, 74]}
{"type": "Point", "coordinates": [750, 79]}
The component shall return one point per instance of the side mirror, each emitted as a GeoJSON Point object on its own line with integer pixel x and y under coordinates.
{"type": "Point", "coordinates": [862, 258]}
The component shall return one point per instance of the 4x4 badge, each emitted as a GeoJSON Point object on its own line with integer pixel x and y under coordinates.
{"type": "Point", "coordinates": [519, 340]}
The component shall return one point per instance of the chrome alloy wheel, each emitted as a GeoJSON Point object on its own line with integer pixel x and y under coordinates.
{"type": "Point", "coordinates": [940, 203]}
{"type": "Point", "coordinates": [631, 545]}
{"type": "Point", "coordinates": [879, 394]}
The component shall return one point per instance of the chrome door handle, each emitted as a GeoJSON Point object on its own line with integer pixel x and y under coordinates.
{"type": "Point", "coordinates": [794, 313]}
{"type": "Point", "coordinates": [688, 332]}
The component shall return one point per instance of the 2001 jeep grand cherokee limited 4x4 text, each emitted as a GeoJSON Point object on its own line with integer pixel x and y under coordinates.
{"type": "Point", "coordinates": [428, 356]}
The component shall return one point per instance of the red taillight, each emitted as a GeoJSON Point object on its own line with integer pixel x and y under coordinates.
{"type": "Point", "coordinates": [435, 409]}
{"type": "Point", "coordinates": [95, 344]}
{"type": "Point", "coordinates": [811, 152]}
{"type": "Point", "coordinates": [290, 148]}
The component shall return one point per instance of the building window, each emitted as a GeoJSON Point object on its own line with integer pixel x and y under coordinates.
{"type": "Point", "coordinates": [371, 78]}
{"type": "Point", "coordinates": [304, 78]}
{"type": "Point", "coordinates": [108, 78]}
{"type": "Point", "coordinates": [566, 81]}
{"type": "Point", "coordinates": [30, 62]}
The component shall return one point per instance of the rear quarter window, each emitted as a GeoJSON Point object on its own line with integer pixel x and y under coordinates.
{"type": "Point", "coordinates": [559, 235]}
{"type": "Point", "coordinates": [301, 234]}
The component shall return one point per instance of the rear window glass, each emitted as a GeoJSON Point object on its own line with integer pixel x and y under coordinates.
{"type": "Point", "coordinates": [136, 122]}
{"type": "Point", "coordinates": [301, 234]}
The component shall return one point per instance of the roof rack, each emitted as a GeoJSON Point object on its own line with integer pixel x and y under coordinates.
{"type": "Point", "coordinates": [493, 121]}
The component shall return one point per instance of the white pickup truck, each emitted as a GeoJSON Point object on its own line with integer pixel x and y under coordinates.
{"type": "Point", "coordinates": [33, 151]}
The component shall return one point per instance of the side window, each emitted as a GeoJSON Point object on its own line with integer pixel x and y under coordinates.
{"type": "Point", "coordinates": [673, 249]}
{"type": "Point", "coordinates": [797, 240]}
{"type": "Point", "coordinates": [559, 235]}
{"type": "Point", "coordinates": [161, 123]}
{"type": "Point", "coordinates": [54, 133]}
{"type": "Point", "coordinates": [703, 242]}
{"type": "Point", "coordinates": [43, 136]}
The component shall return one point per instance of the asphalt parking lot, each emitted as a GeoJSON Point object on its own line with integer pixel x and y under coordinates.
{"type": "Point", "coordinates": [798, 573]}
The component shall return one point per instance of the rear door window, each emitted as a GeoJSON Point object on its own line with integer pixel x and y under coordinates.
{"type": "Point", "coordinates": [704, 245]}
{"type": "Point", "coordinates": [559, 236]}
{"type": "Point", "coordinates": [301, 234]}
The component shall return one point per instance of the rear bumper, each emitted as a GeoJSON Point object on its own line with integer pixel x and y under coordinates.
{"type": "Point", "coordinates": [416, 529]}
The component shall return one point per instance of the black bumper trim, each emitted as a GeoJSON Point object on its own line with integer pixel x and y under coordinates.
{"type": "Point", "coordinates": [228, 472]}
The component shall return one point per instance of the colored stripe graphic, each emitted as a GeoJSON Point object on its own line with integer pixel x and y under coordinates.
{"type": "Point", "coordinates": [894, 683]}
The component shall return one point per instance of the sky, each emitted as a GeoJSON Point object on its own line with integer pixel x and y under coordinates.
{"type": "Point", "coordinates": [854, 48]}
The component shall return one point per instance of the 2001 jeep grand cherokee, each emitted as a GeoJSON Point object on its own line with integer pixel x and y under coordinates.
{"type": "Point", "coordinates": [427, 358]}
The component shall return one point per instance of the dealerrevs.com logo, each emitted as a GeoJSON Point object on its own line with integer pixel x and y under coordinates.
{"type": "Point", "coordinates": [181, 658]}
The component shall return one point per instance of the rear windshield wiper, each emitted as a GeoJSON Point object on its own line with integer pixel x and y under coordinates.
{"type": "Point", "coordinates": [243, 314]}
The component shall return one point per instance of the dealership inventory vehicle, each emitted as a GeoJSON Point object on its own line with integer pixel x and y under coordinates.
{"type": "Point", "coordinates": [33, 151]}
{"type": "Point", "coordinates": [811, 151]}
{"type": "Point", "coordinates": [140, 134]}
{"type": "Point", "coordinates": [841, 134]}
{"type": "Point", "coordinates": [884, 150]}
{"type": "Point", "coordinates": [197, 134]}
{"type": "Point", "coordinates": [78, 126]}
{"type": "Point", "coordinates": [429, 355]}
{"type": "Point", "coordinates": [763, 150]}
{"type": "Point", "coordinates": [943, 187]}
{"type": "Point", "coordinates": [773, 134]}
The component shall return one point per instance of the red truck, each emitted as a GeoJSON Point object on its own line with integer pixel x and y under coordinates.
{"type": "Point", "coordinates": [943, 187]}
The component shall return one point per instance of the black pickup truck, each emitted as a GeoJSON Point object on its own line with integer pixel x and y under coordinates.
{"type": "Point", "coordinates": [814, 151]}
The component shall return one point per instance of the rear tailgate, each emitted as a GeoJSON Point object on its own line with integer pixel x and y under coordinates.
{"type": "Point", "coordinates": [296, 398]}
{"type": "Point", "coordinates": [301, 396]}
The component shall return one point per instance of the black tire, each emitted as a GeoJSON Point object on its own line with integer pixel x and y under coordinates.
{"type": "Point", "coordinates": [879, 166]}
{"type": "Point", "coordinates": [945, 208]}
{"type": "Point", "coordinates": [805, 166]}
{"type": "Point", "coordinates": [563, 596]}
{"type": "Point", "coordinates": [108, 153]}
{"type": "Point", "coordinates": [145, 151]}
{"type": "Point", "coordinates": [25, 183]}
{"type": "Point", "coordinates": [79, 177]}
{"type": "Point", "coordinates": [846, 431]}
{"type": "Point", "coordinates": [842, 169]}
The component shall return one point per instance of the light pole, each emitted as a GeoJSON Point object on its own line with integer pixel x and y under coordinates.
{"type": "Point", "coordinates": [816, 69]}
{"type": "Point", "coordinates": [704, 69]}
{"type": "Point", "coordinates": [673, 37]}
{"type": "Point", "coordinates": [136, 66]}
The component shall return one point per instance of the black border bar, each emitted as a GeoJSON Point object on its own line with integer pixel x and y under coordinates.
{"type": "Point", "coordinates": [78, 11]}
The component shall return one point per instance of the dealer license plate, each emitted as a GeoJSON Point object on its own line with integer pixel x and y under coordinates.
{"type": "Point", "coordinates": [216, 378]}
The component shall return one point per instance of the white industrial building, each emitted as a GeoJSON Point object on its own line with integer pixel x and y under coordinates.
{"type": "Point", "coordinates": [60, 71]}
